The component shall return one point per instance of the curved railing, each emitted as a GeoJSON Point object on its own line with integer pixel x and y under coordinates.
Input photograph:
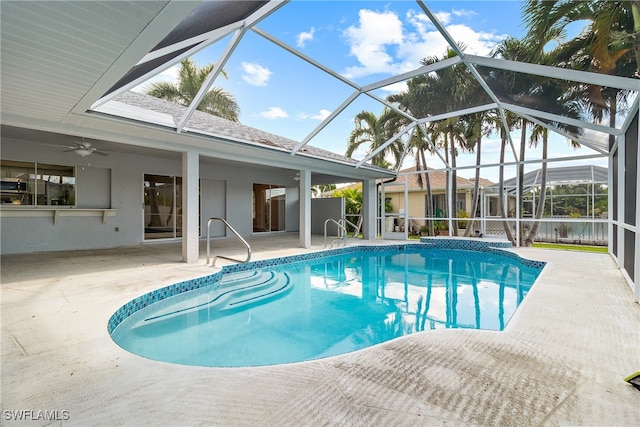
{"type": "Point", "coordinates": [233, 230]}
{"type": "Point", "coordinates": [342, 232]}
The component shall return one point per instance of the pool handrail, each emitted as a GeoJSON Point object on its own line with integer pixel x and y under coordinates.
{"type": "Point", "coordinates": [233, 230]}
{"type": "Point", "coordinates": [341, 228]}
{"type": "Point", "coordinates": [344, 221]}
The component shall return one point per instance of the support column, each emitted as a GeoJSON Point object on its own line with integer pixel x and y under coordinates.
{"type": "Point", "coordinates": [610, 187]}
{"type": "Point", "coordinates": [369, 211]}
{"type": "Point", "coordinates": [636, 275]}
{"type": "Point", "coordinates": [190, 206]}
{"type": "Point", "coordinates": [621, 199]}
{"type": "Point", "coordinates": [305, 208]}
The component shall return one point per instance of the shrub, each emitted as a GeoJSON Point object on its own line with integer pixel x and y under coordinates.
{"type": "Point", "coordinates": [462, 214]}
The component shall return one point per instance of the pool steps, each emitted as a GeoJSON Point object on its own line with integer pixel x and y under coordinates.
{"type": "Point", "coordinates": [233, 291]}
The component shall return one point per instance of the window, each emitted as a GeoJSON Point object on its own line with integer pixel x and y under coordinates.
{"type": "Point", "coordinates": [461, 202]}
{"type": "Point", "coordinates": [37, 184]}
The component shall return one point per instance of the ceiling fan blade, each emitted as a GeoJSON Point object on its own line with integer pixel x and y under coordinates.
{"type": "Point", "coordinates": [58, 145]}
{"type": "Point", "coordinates": [100, 153]}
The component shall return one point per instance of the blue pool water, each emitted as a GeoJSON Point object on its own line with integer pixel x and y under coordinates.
{"type": "Point", "coordinates": [328, 305]}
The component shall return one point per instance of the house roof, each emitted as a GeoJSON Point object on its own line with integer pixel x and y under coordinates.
{"type": "Point", "coordinates": [140, 106]}
{"type": "Point", "coordinates": [483, 182]}
{"type": "Point", "coordinates": [437, 179]}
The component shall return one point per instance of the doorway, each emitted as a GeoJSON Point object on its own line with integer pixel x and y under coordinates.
{"type": "Point", "coordinates": [162, 207]}
{"type": "Point", "coordinates": [268, 208]}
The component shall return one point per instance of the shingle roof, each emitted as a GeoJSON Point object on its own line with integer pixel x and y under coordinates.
{"type": "Point", "coordinates": [213, 125]}
{"type": "Point", "coordinates": [438, 181]}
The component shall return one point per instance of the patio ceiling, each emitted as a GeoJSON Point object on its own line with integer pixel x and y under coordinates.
{"type": "Point", "coordinates": [65, 61]}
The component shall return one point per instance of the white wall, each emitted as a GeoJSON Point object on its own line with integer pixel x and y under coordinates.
{"type": "Point", "coordinates": [24, 234]}
{"type": "Point", "coordinates": [323, 209]}
{"type": "Point", "coordinates": [213, 203]}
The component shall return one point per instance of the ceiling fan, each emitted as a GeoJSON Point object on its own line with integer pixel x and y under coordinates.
{"type": "Point", "coordinates": [84, 149]}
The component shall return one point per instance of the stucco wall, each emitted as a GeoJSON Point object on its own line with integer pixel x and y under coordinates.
{"type": "Point", "coordinates": [28, 234]}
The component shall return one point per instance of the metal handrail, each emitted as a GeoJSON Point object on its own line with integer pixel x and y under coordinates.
{"type": "Point", "coordinates": [341, 227]}
{"type": "Point", "coordinates": [356, 227]}
{"type": "Point", "coordinates": [224, 221]}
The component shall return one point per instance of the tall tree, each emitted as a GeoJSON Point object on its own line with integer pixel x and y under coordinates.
{"type": "Point", "coordinates": [518, 88]}
{"type": "Point", "coordinates": [320, 189]}
{"type": "Point", "coordinates": [375, 131]}
{"type": "Point", "coordinates": [476, 127]}
{"type": "Point", "coordinates": [511, 120]}
{"type": "Point", "coordinates": [443, 91]}
{"type": "Point", "coordinates": [555, 97]}
{"type": "Point", "coordinates": [608, 44]}
{"type": "Point", "coordinates": [448, 90]}
{"type": "Point", "coordinates": [190, 79]}
{"type": "Point", "coordinates": [419, 144]}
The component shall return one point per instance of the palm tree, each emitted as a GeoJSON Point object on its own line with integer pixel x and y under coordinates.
{"type": "Point", "coordinates": [375, 131]}
{"type": "Point", "coordinates": [190, 79]}
{"type": "Point", "coordinates": [519, 88]}
{"type": "Point", "coordinates": [449, 134]}
{"type": "Point", "coordinates": [476, 128]}
{"type": "Point", "coordinates": [447, 91]}
{"type": "Point", "coordinates": [318, 190]}
{"type": "Point", "coordinates": [419, 144]}
{"type": "Point", "coordinates": [609, 44]}
{"type": "Point", "coordinates": [443, 91]}
{"type": "Point", "coordinates": [539, 132]}
{"type": "Point", "coordinates": [511, 120]}
{"type": "Point", "coordinates": [555, 97]}
{"type": "Point", "coordinates": [613, 31]}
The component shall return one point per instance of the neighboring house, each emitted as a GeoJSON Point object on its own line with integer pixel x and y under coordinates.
{"type": "Point", "coordinates": [416, 206]}
{"type": "Point", "coordinates": [417, 194]}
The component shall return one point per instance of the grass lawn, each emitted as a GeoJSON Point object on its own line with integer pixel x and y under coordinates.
{"type": "Point", "coordinates": [583, 248]}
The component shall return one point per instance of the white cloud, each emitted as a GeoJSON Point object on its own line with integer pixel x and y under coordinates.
{"type": "Point", "coordinates": [369, 42]}
{"type": "Point", "coordinates": [255, 74]}
{"type": "Point", "coordinates": [395, 88]}
{"type": "Point", "coordinates": [274, 113]}
{"type": "Point", "coordinates": [304, 37]}
{"type": "Point", "coordinates": [382, 43]}
{"type": "Point", "coordinates": [443, 17]}
{"type": "Point", "coordinates": [323, 114]}
{"type": "Point", "coordinates": [477, 43]}
{"type": "Point", "coordinates": [464, 13]}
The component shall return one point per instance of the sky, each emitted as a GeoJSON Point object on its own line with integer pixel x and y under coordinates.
{"type": "Point", "coordinates": [363, 41]}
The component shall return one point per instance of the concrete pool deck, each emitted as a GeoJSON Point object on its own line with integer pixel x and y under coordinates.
{"type": "Point", "coordinates": [560, 361]}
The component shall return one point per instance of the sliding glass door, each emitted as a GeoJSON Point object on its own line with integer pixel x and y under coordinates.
{"type": "Point", "coordinates": [162, 207]}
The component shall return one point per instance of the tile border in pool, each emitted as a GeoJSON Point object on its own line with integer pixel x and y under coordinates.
{"type": "Point", "coordinates": [425, 242]}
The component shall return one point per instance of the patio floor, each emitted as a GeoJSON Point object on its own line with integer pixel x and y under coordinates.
{"type": "Point", "coordinates": [560, 361]}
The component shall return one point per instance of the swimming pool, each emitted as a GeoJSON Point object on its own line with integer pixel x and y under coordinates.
{"type": "Point", "coordinates": [308, 307]}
